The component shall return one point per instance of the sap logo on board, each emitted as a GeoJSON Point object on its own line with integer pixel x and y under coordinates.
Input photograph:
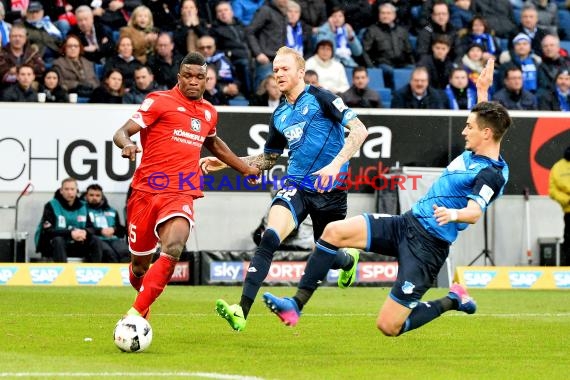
{"type": "Point", "coordinates": [44, 275]}
{"type": "Point", "coordinates": [478, 279]}
{"type": "Point", "coordinates": [90, 275]}
{"type": "Point", "coordinates": [6, 274]}
{"type": "Point", "coordinates": [562, 279]}
{"type": "Point", "coordinates": [523, 279]}
{"type": "Point", "coordinates": [226, 271]}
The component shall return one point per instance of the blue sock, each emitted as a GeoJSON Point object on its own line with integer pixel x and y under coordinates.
{"type": "Point", "coordinates": [259, 268]}
{"type": "Point", "coordinates": [426, 312]}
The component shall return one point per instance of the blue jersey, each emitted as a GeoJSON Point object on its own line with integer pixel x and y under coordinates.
{"type": "Point", "coordinates": [313, 128]}
{"type": "Point", "coordinates": [469, 176]}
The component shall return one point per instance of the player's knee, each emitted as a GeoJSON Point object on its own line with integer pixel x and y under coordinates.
{"type": "Point", "coordinates": [139, 268]}
{"type": "Point", "coordinates": [173, 247]}
{"type": "Point", "coordinates": [332, 233]}
{"type": "Point", "coordinates": [387, 327]}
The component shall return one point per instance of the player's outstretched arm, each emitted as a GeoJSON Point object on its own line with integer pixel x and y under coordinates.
{"type": "Point", "coordinates": [469, 214]}
{"type": "Point", "coordinates": [224, 154]}
{"type": "Point", "coordinates": [263, 161]}
{"type": "Point", "coordinates": [122, 139]}
{"type": "Point", "coordinates": [485, 81]}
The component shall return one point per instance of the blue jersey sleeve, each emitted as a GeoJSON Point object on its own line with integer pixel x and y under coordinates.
{"type": "Point", "coordinates": [488, 186]}
{"type": "Point", "coordinates": [275, 142]}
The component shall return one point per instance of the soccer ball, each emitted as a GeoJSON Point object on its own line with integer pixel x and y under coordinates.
{"type": "Point", "coordinates": [132, 334]}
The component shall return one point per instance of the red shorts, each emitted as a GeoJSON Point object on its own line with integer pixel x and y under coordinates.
{"type": "Point", "coordinates": [145, 211]}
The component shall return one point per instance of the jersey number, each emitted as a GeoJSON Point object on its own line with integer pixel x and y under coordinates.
{"type": "Point", "coordinates": [287, 193]}
{"type": "Point", "coordinates": [132, 233]}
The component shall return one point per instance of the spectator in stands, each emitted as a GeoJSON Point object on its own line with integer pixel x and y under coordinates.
{"type": "Point", "coordinates": [114, 13]}
{"type": "Point", "coordinates": [231, 39]}
{"type": "Point", "coordinates": [142, 33]}
{"type": "Point", "coordinates": [552, 62]}
{"type": "Point", "coordinates": [166, 61]}
{"type": "Point", "coordinates": [312, 78]}
{"type": "Point", "coordinates": [189, 28]}
{"type": "Point", "coordinates": [529, 26]}
{"type": "Point", "coordinates": [347, 46]}
{"type": "Point", "coordinates": [106, 226]}
{"type": "Point", "coordinates": [111, 90]}
{"type": "Point", "coordinates": [403, 8]}
{"type": "Point", "coordinates": [50, 86]}
{"type": "Point", "coordinates": [523, 57]}
{"type": "Point", "coordinates": [42, 32]}
{"type": "Point", "coordinates": [4, 28]}
{"type": "Point", "coordinates": [144, 85]}
{"type": "Point", "coordinates": [438, 25]}
{"type": "Point", "coordinates": [76, 73]}
{"type": "Point", "coordinates": [22, 90]}
{"type": "Point", "coordinates": [226, 74]}
{"type": "Point", "coordinates": [268, 94]}
{"type": "Point", "coordinates": [478, 33]}
{"type": "Point", "coordinates": [65, 230]}
{"type": "Point", "coordinates": [13, 10]}
{"type": "Point", "coordinates": [419, 94]}
{"type": "Point", "coordinates": [124, 60]}
{"type": "Point", "coordinates": [473, 62]}
{"type": "Point", "coordinates": [460, 14]}
{"type": "Point", "coordinates": [18, 52]}
{"type": "Point", "coordinates": [244, 10]}
{"type": "Point", "coordinates": [265, 35]}
{"type": "Point", "coordinates": [499, 15]}
{"type": "Point", "coordinates": [556, 98]}
{"type": "Point", "coordinates": [460, 95]}
{"type": "Point", "coordinates": [513, 96]}
{"type": "Point", "coordinates": [559, 190]}
{"type": "Point", "coordinates": [359, 95]}
{"type": "Point", "coordinates": [332, 75]}
{"type": "Point", "coordinates": [438, 63]}
{"type": "Point", "coordinates": [547, 14]}
{"type": "Point", "coordinates": [314, 13]}
{"type": "Point", "coordinates": [96, 38]}
{"type": "Point", "coordinates": [358, 13]}
{"type": "Point", "coordinates": [164, 13]}
{"type": "Point", "coordinates": [386, 45]}
{"type": "Point", "coordinates": [299, 34]}
{"type": "Point", "coordinates": [212, 93]}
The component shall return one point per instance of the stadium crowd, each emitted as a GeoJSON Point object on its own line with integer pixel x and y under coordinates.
{"type": "Point", "coordinates": [373, 53]}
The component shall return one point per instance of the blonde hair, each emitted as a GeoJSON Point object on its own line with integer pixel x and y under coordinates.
{"type": "Point", "coordinates": [284, 50]}
{"type": "Point", "coordinates": [141, 9]}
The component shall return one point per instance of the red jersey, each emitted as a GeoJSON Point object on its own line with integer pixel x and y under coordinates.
{"type": "Point", "coordinates": [173, 131]}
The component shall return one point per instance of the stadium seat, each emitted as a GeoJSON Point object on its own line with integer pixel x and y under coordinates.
{"type": "Point", "coordinates": [401, 77]}
{"type": "Point", "coordinates": [386, 97]}
{"type": "Point", "coordinates": [413, 41]}
{"type": "Point", "coordinates": [565, 45]}
{"type": "Point", "coordinates": [376, 77]}
{"type": "Point", "coordinates": [239, 101]}
{"type": "Point", "coordinates": [116, 35]}
{"type": "Point", "coordinates": [99, 70]}
{"type": "Point", "coordinates": [504, 44]}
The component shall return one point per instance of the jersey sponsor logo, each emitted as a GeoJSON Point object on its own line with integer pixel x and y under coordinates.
{"type": "Point", "coordinates": [207, 115]}
{"type": "Point", "coordinates": [230, 271]}
{"type": "Point", "coordinates": [561, 279]}
{"type": "Point", "coordinates": [195, 125]}
{"type": "Point", "coordinates": [486, 193]}
{"type": "Point", "coordinates": [181, 109]}
{"type": "Point", "coordinates": [339, 104]}
{"type": "Point", "coordinates": [6, 274]}
{"type": "Point", "coordinates": [90, 275]}
{"type": "Point", "coordinates": [523, 279]}
{"type": "Point", "coordinates": [294, 132]}
{"type": "Point", "coordinates": [408, 287]}
{"type": "Point", "coordinates": [478, 279]}
{"type": "Point", "coordinates": [188, 135]}
{"type": "Point", "coordinates": [146, 104]}
{"type": "Point", "coordinates": [44, 275]}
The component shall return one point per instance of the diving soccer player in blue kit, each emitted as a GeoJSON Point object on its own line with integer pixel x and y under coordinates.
{"type": "Point", "coordinates": [420, 238]}
{"type": "Point", "coordinates": [311, 123]}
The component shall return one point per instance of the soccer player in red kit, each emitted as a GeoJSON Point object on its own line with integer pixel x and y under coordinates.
{"type": "Point", "coordinates": [173, 125]}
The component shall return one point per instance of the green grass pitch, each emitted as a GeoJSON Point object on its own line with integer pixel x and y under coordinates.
{"type": "Point", "coordinates": [54, 333]}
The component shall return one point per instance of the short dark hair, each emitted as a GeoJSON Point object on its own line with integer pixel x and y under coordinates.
{"type": "Point", "coordinates": [193, 58]}
{"type": "Point", "coordinates": [495, 116]}
{"type": "Point", "coordinates": [359, 69]}
{"type": "Point", "coordinates": [95, 187]}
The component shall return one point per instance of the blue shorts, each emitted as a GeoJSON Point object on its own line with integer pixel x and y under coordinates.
{"type": "Point", "coordinates": [420, 255]}
{"type": "Point", "coordinates": [322, 207]}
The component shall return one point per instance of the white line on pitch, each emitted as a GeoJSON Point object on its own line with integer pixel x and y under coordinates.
{"type": "Point", "coordinates": [206, 375]}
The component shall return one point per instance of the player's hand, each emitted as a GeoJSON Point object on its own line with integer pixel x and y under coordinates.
{"type": "Point", "coordinates": [252, 175]}
{"type": "Point", "coordinates": [442, 215]}
{"type": "Point", "coordinates": [485, 79]}
{"type": "Point", "coordinates": [211, 164]}
{"type": "Point", "coordinates": [130, 151]}
{"type": "Point", "coordinates": [326, 177]}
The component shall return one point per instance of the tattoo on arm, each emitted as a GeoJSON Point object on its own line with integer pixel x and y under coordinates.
{"type": "Point", "coordinates": [356, 137]}
{"type": "Point", "coordinates": [263, 161]}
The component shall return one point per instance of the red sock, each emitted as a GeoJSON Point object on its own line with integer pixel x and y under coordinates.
{"type": "Point", "coordinates": [154, 282]}
{"type": "Point", "coordinates": [136, 282]}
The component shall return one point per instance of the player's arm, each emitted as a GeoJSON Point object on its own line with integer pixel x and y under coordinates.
{"type": "Point", "coordinates": [485, 81]}
{"type": "Point", "coordinates": [224, 154]}
{"type": "Point", "coordinates": [122, 139]}
{"type": "Point", "coordinates": [469, 214]}
{"type": "Point", "coordinates": [354, 140]}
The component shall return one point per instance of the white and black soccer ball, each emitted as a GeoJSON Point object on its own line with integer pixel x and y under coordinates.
{"type": "Point", "coordinates": [132, 334]}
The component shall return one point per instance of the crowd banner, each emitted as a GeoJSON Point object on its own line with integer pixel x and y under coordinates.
{"type": "Point", "coordinates": [40, 145]}
{"type": "Point", "coordinates": [514, 277]}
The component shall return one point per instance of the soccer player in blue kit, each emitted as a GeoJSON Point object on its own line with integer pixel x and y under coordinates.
{"type": "Point", "coordinates": [421, 237]}
{"type": "Point", "coordinates": [311, 123]}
